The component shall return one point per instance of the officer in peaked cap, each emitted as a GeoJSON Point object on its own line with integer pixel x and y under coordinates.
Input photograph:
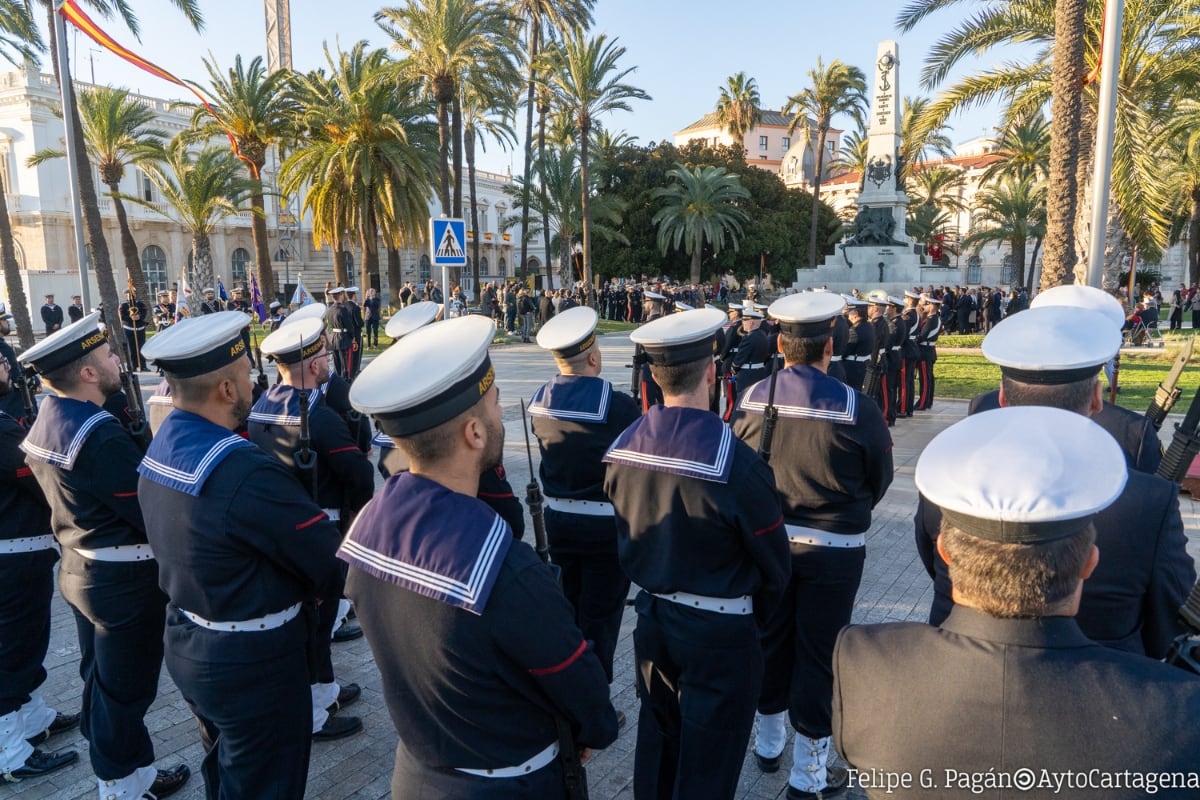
{"type": "Point", "coordinates": [340, 320]}
{"type": "Point", "coordinates": [877, 315]}
{"type": "Point", "coordinates": [86, 465]}
{"type": "Point", "coordinates": [860, 347]}
{"type": "Point", "coordinates": [731, 340]}
{"type": "Point", "coordinates": [910, 352]}
{"type": "Point", "coordinates": [654, 305]}
{"type": "Point", "coordinates": [832, 459]}
{"type": "Point", "coordinates": [1133, 431]}
{"type": "Point", "coordinates": [236, 638]}
{"type": "Point", "coordinates": [494, 488]}
{"type": "Point", "coordinates": [928, 330]}
{"type": "Point", "coordinates": [1051, 356]}
{"type": "Point", "coordinates": [1023, 490]}
{"type": "Point", "coordinates": [359, 324]}
{"type": "Point", "coordinates": [426, 549]}
{"type": "Point", "coordinates": [336, 474]}
{"type": "Point", "coordinates": [753, 359]}
{"type": "Point", "coordinates": [576, 417]}
{"type": "Point", "coordinates": [276, 315]}
{"type": "Point", "coordinates": [27, 558]}
{"type": "Point", "coordinates": [897, 334]}
{"type": "Point", "coordinates": [699, 529]}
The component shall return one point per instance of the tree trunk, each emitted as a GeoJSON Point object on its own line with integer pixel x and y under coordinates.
{"type": "Point", "coordinates": [534, 33]}
{"type": "Point", "coordinates": [340, 278]}
{"type": "Point", "coordinates": [262, 250]}
{"type": "Point", "coordinates": [1035, 275]}
{"type": "Point", "coordinates": [443, 98]}
{"type": "Point", "coordinates": [585, 127]}
{"type": "Point", "coordinates": [1018, 259]}
{"type": "Point", "coordinates": [543, 112]}
{"type": "Point", "coordinates": [1066, 111]}
{"type": "Point", "coordinates": [1193, 248]}
{"type": "Point", "coordinates": [202, 266]}
{"type": "Point", "coordinates": [129, 249]}
{"type": "Point", "coordinates": [18, 302]}
{"type": "Point", "coordinates": [457, 125]}
{"type": "Point", "coordinates": [394, 282]}
{"type": "Point", "coordinates": [818, 165]}
{"type": "Point", "coordinates": [369, 242]}
{"type": "Point", "coordinates": [697, 253]}
{"type": "Point", "coordinates": [93, 228]}
{"type": "Point", "coordinates": [469, 144]}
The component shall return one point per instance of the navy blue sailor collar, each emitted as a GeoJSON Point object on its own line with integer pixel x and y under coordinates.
{"type": "Point", "coordinates": [573, 398]}
{"type": "Point", "coordinates": [428, 539]}
{"type": "Point", "coordinates": [61, 430]}
{"type": "Point", "coordinates": [804, 392]}
{"type": "Point", "coordinates": [280, 405]}
{"type": "Point", "coordinates": [685, 441]}
{"type": "Point", "coordinates": [187, 450]}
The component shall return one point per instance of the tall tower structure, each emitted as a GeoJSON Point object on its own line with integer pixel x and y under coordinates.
{"type": "Point", "coordinates": [279, 34]}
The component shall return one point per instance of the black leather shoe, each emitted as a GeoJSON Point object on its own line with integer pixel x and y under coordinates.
{"type": "Point", "coordinates": [767, 765]}
{"type": "Point", "coordinates": [60, 724]}
{"type": "Point", "coordinates": [348, 632]}
{"type": "Point", "coordinates": [42, 763]}
{"type": "Point", "coordinates": [835, 786]}
{"type": "Point", "coordinates": [346, 695]}
{"type": "Point", "coordinates": [170, 781]}
{"type": "Point", "coordinates": [338, 728]}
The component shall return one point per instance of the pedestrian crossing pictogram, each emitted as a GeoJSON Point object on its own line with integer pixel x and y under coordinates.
{"type": "Point", "coordinates": [448, 238]}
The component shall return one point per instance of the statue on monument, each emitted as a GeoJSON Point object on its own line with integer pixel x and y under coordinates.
{"type": "Point", "coordinates": [873, 227]}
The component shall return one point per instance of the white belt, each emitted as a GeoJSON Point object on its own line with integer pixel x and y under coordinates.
{"type": "Point", "coordinates": [895, 347]}
{"type": "Point", "coordinates": [27, 544]}
{"type": "Point", "coordinates": [798, 534]}
{"type": "Point", "coordinates": [722, 605]}
{"type": "Point", "coordinates": [267, 623]}
{"type": "Point", "coordinates": [338, 330]}
{"type": "Point", "coordinates": [586, 508]}
{"type": "Point", "coordinates": [835, 358]}
{"type": "Point", "coordinates": [532, 765]}
{"type": "Point", "coordinates": [753, 366]}
{"type": "Point", "coordinates": [135, 552]}
{"type": "Point", "coordinates": [858, 358]}
{"type": "Point", "coordinates": [334, 514]}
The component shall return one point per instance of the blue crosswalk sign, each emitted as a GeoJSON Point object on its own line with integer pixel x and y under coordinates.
{"type": "Point", "coordinates": [448, 242]}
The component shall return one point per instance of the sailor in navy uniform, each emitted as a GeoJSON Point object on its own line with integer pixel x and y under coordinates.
{"type": "Point", "coordinates": [13, 403]}
{"type": "Point", "coordinates": [340, 323]}
{"type": "Point", "coordinates": [897, 333]}
{"type": "Point", "coordinates": [926, 338]}
{"type": "Point", "coordinates": [211, 303]}
{"type": "Point", "coordinates": [860, 347]}
{"type": "Point", "coordinates": [341, 480]}
{"type": "Point", "coordinates": [425, 549]}
{"type": "Point", "coordinates": [86, 464]}
{"type": "Point", "coordinates": [877, 310]}
{"type": "Point", "coordinates": [911, 353]}
{"type": "Point", "coordinates": [833, 463]}
{"type": "Point", "coordinates": [337, 389]}
{"type": "Point", "coordinates": [239, 301]}
{"type": "Point", "coordinates": [276, 316]}
{"type": "Point", "coordinates": [27, 558]}
{"type": "Point", "coordinates": [235, 636]}
{"type": "Point", "coordinates": [700, 530]}
{"type": "Point", "coordinates": [731, 338]}
{"type": "Point", "coordinates": [1051, 356]}
{"type": "Point", "coordinates": [841, 343]}
{"type": "Point", "coordinates": [1009, 686]}
{"type": "Point", "coordinates": [576, 416]}
{"type": "Point", "coordinates": [356, 316]}
{"type": "Point", "coordinates": [653, 305]}
{"type": "Point", "coordinates": [752, 361]}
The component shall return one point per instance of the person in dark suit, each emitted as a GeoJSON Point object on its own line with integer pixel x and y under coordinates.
{"type": "Point", "coordinates": [52, 315]}
{"type": "Point", "coordinates": [1050, 356]}
{"type": "Point", "coordinates": [1008, 689]}
{"type": "Point", "coordinates": [75, 310]}
{"type": "Point", "coordinates": [340, 322]}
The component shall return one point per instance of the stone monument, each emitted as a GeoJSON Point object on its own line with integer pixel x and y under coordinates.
{"type": "Point", "coordinates": [879, 250]}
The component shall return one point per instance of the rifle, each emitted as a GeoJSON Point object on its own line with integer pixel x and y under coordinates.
{"type": "Point", "coordinates": [1168, 393]}
{"type": "Point", "coordinates": [130, 382]}
{"type": "Point", "coordinates": [1184, 445]}
{"type": "Point", "coordinates": [262, 376]}
{"type": "Point", "coordinates": [574, 774]}
{"type": "Point", "coordinates": [24, 380]}
{"type": "Point", "coordinates": [770, 416]}
{"type": "Point", "coordinates": [305, 457]}
{"type": "Point", "coordinates": [1116, 374]}
{"type": "Point", "coordinates": [639, 358]}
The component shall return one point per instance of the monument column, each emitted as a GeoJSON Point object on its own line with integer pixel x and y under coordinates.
{"type": "Point", "coordinates": [881, 180]}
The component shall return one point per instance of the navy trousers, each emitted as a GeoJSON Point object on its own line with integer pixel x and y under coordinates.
{"type": "Point", "coordinates": [26, 586]}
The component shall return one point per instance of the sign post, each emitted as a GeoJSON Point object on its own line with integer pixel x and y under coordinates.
{"type": "Point", "coordinates": [447, 248]}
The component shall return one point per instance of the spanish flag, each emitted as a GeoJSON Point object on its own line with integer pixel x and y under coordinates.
{"type": "Point", "coordinates": [72, 13]}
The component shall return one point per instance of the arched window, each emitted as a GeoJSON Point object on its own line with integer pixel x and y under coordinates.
{"type": "Point", "coordinates": [154, 266]}
{"type": "Point", "coordinates": [240, 264]}
{"type": "Point", "coordinates": [974, 269]}
{"type": "Point", "coordinates": [1006, 276]}
{"type": "Point", "coordinates": [503, 268]}
{"type": "Point", "coordinates": [483, 265]}
{"type": "Point", "coordinates": [532, 265]}
{"type": "Point", "coordinates": [425, 269]}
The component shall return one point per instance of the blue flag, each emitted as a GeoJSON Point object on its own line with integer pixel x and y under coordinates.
{"type": "Point", "coordinates": [221, 290]}
{"type": "Point", "coordinates": [256, 299]}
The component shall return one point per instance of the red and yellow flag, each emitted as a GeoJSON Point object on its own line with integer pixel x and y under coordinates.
{"type": "Point", "coordinates": [75, 15]}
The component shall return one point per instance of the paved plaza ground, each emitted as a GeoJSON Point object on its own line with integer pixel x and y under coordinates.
{"type": "Point", "coordinates": [895, 587]}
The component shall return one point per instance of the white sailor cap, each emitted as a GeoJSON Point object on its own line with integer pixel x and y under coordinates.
{"type": "Point", "coordinates": [878, 297]}
{"type": "Point", "coordinates": [1022, 475]}
{"type": "Point", "coordinates": [295, 343]}
{"type": "Point", "coordinates": [751, 310]}
{"type": "Point", "coordinates": [1052, 345]}
{"type": "Point", "coordinates": [201, 344]}
{"type": "Point", "coordinates": [428, 377]}
{"type": "Point", "coordinates": [680, 338]}
{"type": "Point", "coordinates": [1081, 296]}
{"type": "Point", "coordinates": [909, 294]}
{"type": "Point", "coordinates": [310, 311]}
{"type": "Point", "coordinates": [649, 295]}
{"type": "Point", "coordinates": [807, 315]}
{"type": "Point", "coordinates": [896, 301]}
{"type": "Point", "coordinates": [338, 290]}
{"type": "Point", "coordinates": [65, 345]}
{"type": "Point", "coordinates": [351, 290]}
{"type": "Point", "coordinates": [736, 307]}
{"type": "Point", "coordinates": [208, 289]}
{"type": "Point", "coordinates": [928, 298]}
{"type": "Point", "coordinates": [569, 332]}
{"type": "Point", "coordinates": [853, 302]}
{"type": "Point", "coordinates": [275, 304]}
{"type": "Point", "coordinates": [685, 307]}
{"type": "Point", "coordinates": [411, 317]}
{"type": "Point", "coordinates": [4, 312]}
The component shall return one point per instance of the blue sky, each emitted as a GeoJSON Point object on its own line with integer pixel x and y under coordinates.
{"type": "Point", "coordinates": [683, 49]}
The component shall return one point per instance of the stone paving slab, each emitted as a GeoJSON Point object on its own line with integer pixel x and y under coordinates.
{"type": "Point", "coordinates": [895, 587]}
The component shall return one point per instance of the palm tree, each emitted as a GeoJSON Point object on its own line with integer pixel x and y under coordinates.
{"type": "Point", "coordinates": [441, 40]}
{"type": "Point", "coordinates": [739, 107]}
{"type": "Point", "coordinates": [544, 21]}
{"type": "Point", "coordinates": [200, 190]}
{"type": "Point", "coordinates": [480, 119]}
{"type": "Point", "coordinates": [1066, 122]}
{"type": "Point", "coordinates": [838, 89]}
{"type": "Point", "coordinates": [117, 134]}
{"type": "Point", "coordinates": [939, 186]}
{"type": "Point", "coordinates": [583, 75]}
{"type": "Point", "coordinates": [1012, 211]}
{"type": "Point", "coordinates": [701, 208]}
{"type": "Point", "coordinates": [1180, 146]}
{"type": "Point", "coordinates": [367, 161]}
{"type": "Point", "coordinates": [919, 144]}
{"type": "Point", "coordinates": [852, 155]}
{"type": "Point", "coordinates": [93, 228]}
{"type": "Point", "coordinates": [1024, 149]}
{"type": "Point", "coordinates": [257, 112]}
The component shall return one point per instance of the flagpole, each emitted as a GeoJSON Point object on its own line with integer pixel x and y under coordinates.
{"type": "Point", "coordinates": [68, 113]}
{"type": "Point", "coordinates": [1110, 70]}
